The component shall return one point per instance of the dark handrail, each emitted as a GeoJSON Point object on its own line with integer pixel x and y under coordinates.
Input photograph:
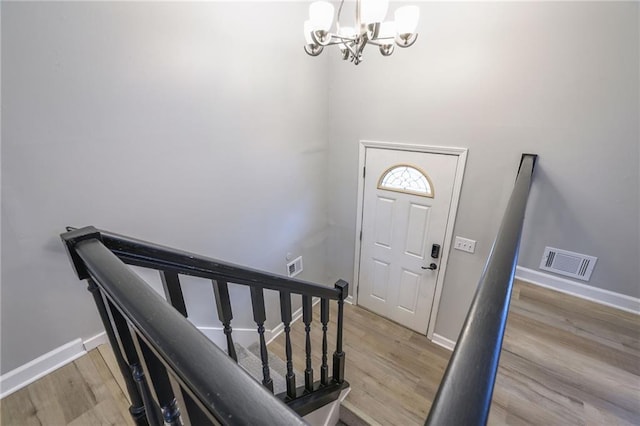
{"type": "Point", "coordinates": [155, 256]}
{"type": "Point", "coordinates": [181, 346]}
{"type": "Point", "coordinates": [464, 396]}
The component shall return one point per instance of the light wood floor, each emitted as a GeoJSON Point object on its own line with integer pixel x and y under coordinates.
{"type": "Point", "coordinates": [84, 392]}
{"type": "Point", "coordinates": [565, 361]}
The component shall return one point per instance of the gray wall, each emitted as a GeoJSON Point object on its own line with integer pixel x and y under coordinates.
{"type": "Point", "coordinates": [557, 79]}
{"type": "Point", "coordinates": [196, 125]}
{"type": "Point", "coordinates": [174, 123]}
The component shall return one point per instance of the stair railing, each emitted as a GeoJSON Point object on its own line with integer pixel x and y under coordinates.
{"type": "Point", "coordinates": [173, 373]}
{"type": "Point", "coordinates": [465, 392]}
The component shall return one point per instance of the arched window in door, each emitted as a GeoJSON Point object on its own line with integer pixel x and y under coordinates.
{"type": "Point", "coordinates": [407, 179]}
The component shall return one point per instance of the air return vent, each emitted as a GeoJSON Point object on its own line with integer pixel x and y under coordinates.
{"type": "Point", "coordinates": [294, 267]}
{"type": "Point", "coordinates": [563, 262]}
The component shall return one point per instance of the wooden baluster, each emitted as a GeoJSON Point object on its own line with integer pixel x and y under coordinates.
{"type": "Point", "coordinates": [173, 291]}
{"type": "Point", "coordinates": [153, 416]}
{"type": "Point", "coordinates": [307, 317]}
{"type": "Point", "coordinates": [338, 356]}
{"type": "Point", "coordinates": [190, 412]}
{"type": "Point", "coordinates": [223, 304]}
{"type": "Point", "coordinates": [159, 378]}
{"type": "Point", "coordinates": [127, 346]}
{"type": "Point", "coordinates": [285, 311]}
{"type": "Point", "coordinates": [324, 319]}
{"type": "Point", "coordinates": [260, 316]}
{"type": "Point", "coordinates": [136, 409]}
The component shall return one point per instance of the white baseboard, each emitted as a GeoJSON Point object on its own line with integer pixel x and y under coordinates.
{"type": "Point", "coordinates": [28, 373]}
{"type": "Point", "coordinates": [95, 341]}
{"type": "Point", "coordinates": [33, 370]}
{"type": "Point", "coordinates": [279, 329]}
{"type": "Point", "coordinates": [594, 294]}
{"type": "Point", "coordinates": [443, 341]}
{"type": "Point", "coordinates": [563, 285]}
{"type": "Point", "coordinates": [349, 300]}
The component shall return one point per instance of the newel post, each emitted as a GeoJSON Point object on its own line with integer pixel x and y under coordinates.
{"type": "Point", "coordinates": [339, 356]}
{"type": "Point", "coordinates": [71, 239]}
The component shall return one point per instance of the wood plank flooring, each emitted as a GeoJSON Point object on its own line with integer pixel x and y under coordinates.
{"type": "Point", "coordinates": [565, 361]}
{"type": "Point", "coordinates": [84, 392]}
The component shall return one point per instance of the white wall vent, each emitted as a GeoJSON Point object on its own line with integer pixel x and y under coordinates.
{"type": "Point", "coordinates": [294, 267]}
{"type": "Point", "coordinates": [564, 262]}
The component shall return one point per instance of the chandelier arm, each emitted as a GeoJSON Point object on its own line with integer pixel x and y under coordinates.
{"type": "Point", "coordinates": [334, 42]}
{"type": "Point", "coordinates": [343, 38]}
{"type": "Point", "coordinates": [322, 38]}
{"type": "Point", "coordinates": [364, 39]}
{"type": "Point", "coordinates": [329, 39]}
{"type": "Point", "coordinates": [351, 49]}
{"type": "Point", "coordinates": [373, 30]}
{"type": "Point", "coordinates": [377, 41]}
{"type": "Point", "coordinates": [339, 12]}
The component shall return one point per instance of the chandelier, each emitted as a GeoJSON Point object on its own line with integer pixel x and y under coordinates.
{"type": "Point", "coordinates": [370, 28]}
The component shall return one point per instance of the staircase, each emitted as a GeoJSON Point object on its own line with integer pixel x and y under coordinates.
{"type": "Point", "coordinates": [339, 413]}
{"type": "Point", "coordinates": [249, 359]}
{"type": "Point", "coordinates": [173, 373]}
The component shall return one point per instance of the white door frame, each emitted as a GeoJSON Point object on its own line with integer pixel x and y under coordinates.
{"type": "Point", "coordinates": [453, 209]}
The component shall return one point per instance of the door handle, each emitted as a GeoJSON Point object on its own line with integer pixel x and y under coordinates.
{"type": "Point", "coordinates": [433, 266]}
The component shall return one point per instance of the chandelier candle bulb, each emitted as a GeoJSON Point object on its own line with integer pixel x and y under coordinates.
{"type": "Point", "coordinates": [407, 19]}
{"type": "Point", "coordinates": [321, 15]}
{"type": "Point", "coordinates": [373, 11]}
{"type": "Point", "coordinates": [311, 47]}
{"type": "Point", "coordinates": [386, 37]}
{"type": "Point", "coordinates": [307, 32]}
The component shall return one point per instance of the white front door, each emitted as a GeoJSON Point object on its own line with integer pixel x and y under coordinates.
{"type": "Point", "coordinates": [406, 202]}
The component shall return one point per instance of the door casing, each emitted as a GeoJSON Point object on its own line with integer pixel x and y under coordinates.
{"type": "Point", "coordinates": [461, 153]}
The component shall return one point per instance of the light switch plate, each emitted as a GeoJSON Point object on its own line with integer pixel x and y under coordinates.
{"type": "Point", "coordinates": [465, 244]}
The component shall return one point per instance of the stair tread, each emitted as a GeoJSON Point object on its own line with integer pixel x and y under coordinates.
{"type": "Point", "coordinates": [275, 362]}
{"type": "Point", "coordinates": [350, 415]}
{"type": "Point", "coordinates": [249, 359]}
